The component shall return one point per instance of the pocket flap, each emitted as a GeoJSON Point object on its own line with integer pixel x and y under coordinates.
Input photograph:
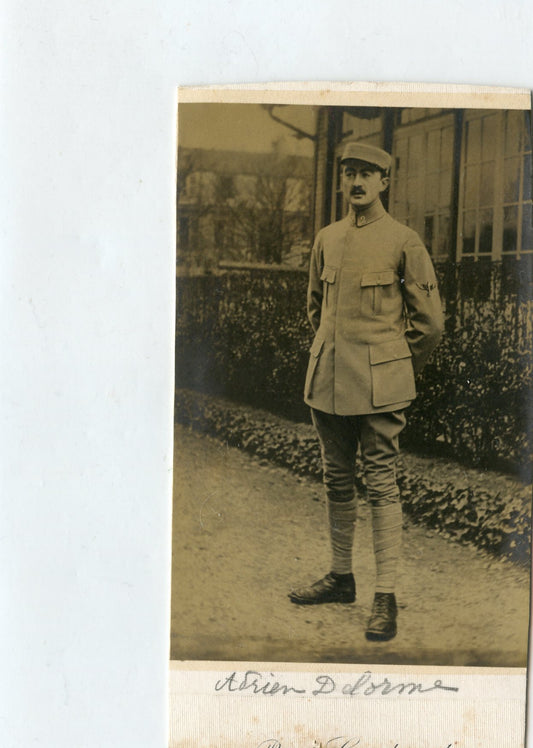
{"type": "Point", "coordinates": [328, 274]}
{"type": "Point", "coordinates": [391, 350]}
{"type": "Point", "coordinates": [317, 346]}
{"type": "Point", "coordinates": [383, 278]}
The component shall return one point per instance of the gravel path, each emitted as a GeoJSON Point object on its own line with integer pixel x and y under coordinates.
{"type": "Point", "coordinates": [245, 532]}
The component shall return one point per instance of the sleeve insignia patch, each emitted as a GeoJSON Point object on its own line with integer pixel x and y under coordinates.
{"type": "Point", "coordinates": [427, 287]}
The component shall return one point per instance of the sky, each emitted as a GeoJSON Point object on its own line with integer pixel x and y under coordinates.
{"type": "Point", "coordinates": [244, 127]}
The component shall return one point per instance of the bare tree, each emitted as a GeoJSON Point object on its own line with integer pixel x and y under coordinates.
{"type": "Point", "coordinates": [265, 220]}
{"type": "Point", "coordinates": [254, 210]}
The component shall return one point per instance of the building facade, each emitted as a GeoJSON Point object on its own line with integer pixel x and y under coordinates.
{"type": "Point", "coordinates": [241, 207]}
{"type": "Point", "coordinates": [460, 178]}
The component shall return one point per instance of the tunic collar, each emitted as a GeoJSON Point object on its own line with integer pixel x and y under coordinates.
{"type": "Point", "coordinates": [366, 215]}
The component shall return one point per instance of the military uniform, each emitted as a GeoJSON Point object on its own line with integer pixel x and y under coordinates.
{"type": "Point", "coordinates": [375, 310]}
{"type": "Point", "coordinates": [374, 306]}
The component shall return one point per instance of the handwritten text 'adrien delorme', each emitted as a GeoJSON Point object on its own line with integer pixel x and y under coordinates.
{"type": "Point", "coordinates": [254, 682]}
{"type": "Point", "coordinates": [340, 742]}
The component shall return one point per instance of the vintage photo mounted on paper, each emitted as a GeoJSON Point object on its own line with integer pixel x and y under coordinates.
{"type": "Point", "coordinates": [353, 384]}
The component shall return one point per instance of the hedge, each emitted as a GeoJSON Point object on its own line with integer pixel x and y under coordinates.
{"type": "Point", "coordinates": [245, 335]}
{"type": "Point", "coordinates": [491, 520]}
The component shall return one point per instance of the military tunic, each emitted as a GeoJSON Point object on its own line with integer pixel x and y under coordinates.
{"type": "Point", "coordinates": [374, 306]}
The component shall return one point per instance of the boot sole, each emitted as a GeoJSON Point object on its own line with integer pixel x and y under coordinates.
{"type": "Point", "coordinates": [374, 636]}
{"type": "Point", "coordinates": [308, 601]}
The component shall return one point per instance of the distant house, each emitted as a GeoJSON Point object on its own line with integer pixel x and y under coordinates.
{"type": "Point", "coordinates": [238, 206]}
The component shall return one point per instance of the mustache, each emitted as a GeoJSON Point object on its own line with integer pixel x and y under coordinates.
{"type": "Point", "coordinates": [357, 191]}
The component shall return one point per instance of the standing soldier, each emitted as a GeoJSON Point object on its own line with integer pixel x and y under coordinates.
{"type": "Point", "coordinates": [375, 310]}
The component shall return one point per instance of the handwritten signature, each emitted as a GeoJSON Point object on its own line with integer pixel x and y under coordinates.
{"type": "Point", "coordinates": [338, 742]}
{"type": "Point", "coordinates": [258, 683]}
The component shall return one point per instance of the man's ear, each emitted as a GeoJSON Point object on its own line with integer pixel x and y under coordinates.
{"type": "Point", "coordinates": [385, 181]}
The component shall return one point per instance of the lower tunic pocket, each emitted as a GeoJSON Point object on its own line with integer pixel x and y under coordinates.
{"type": "Point", "coordinates": [393, 379]}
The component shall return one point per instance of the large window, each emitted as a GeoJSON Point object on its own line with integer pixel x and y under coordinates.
{"type": "Point", "coordinates": [495, 186]}
{"type": "Point", "coordinates": [422, 174]}
{"type": "Point", "coordinates": [468, 198]}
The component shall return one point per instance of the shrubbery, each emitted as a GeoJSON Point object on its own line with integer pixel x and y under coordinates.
{"type": "Point", "coordinates": [499, 524]}
{"type": "Point", "coordinates": [475, 395]}
{"type": "Point", "coordinates": [245, 335]}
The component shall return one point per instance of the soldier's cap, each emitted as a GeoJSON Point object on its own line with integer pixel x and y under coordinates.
{"type": "Point", "coordinates": [368, 153]}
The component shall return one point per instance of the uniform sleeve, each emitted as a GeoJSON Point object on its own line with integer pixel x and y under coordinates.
{"type": "Point", "coordinates": [314, 289]}
{"type": "Point", "coordinates": [425, 321]}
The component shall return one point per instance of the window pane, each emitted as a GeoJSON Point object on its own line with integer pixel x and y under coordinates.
{"type": "Point", "coordinates": [443, 242]}
{"type": "Point", "coordinates": [510, 224]}
{"type": "Point", "coordinates": [445, 188]}
{"type": "Point", "coordinates": [527, 130]}
{"type": "Point", "coordinates": [486, 190]}
{"type": "Point", "coordinates": [473, 141]}
{"type": "Point", "coordinates": [416, 154]}
{"type": "Point", "coordinates": [411, 191]}
{"type": "Point", "coordinates": [527, 178]}
{"type": "Point", "coordinates": [347, 123]}
{"type": "Point", "coordinates": [527, 231]}
{"type": "Point", "coordinates": [359, 127]}
{"type": "Point", "coordinates": [418, 113]}
{"type": "Point", "coordinates": [490, 125]}
{"type": "Point", "coordinates": [429, 225]}
{"type": "Point", "coordinates": [433, 154]}
{"type": "Point", "coordinates": [432, 191]}
{"type": "Point", "coordinates": [339, 174]}
{"type": "Point", "coordinates": [469, 232]}
{"type": "Point", "coordinates": [446, 151]}
{"type": "Point", "coordinates": [400, 199]}
{"type": "Point", "coordinates": [471, 186]}
{"type": "Point", "coordinates": [511, 177]}
{"type": "Point", "coordinates": [485, 232]}
{"type": "Point", "coordinates": [401, 157]}
{"type": "Point", "coordinates": [513, 132]}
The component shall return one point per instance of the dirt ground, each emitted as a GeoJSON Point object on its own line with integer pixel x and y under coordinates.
{"type": "Point", "coordinates": [246, 532]}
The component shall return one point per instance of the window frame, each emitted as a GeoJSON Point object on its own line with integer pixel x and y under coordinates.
{"type": "Point", "coordinates": [497, 253]}
{"type": "Point", "coordinates": [424, 127]}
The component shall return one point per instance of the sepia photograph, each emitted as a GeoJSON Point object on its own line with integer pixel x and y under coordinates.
{"type": "Point", "coordinates": [353, 384]}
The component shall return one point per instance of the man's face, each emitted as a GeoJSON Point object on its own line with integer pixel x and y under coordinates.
{"type": "Point", "coordinates": [362, 183]}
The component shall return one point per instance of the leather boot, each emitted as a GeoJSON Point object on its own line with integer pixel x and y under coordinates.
{"type": "Point", "coordinates": [333, 588]}
{"type": "Point", "coordinates": [382, 623]}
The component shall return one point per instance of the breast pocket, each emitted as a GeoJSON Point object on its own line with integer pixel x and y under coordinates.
{"type": "Point", "coordinates": [378, 290]}
{"type": "Point", "coordinates": [328, 278]}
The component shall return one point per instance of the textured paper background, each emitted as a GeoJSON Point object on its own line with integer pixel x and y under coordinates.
{"type": "Point", "coordinates": [87, 218]}
{"type": "Point", "coordinates": [488, 709]}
